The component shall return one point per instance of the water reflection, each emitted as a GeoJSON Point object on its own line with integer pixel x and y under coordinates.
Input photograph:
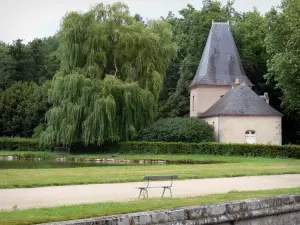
{"type": "Point", "coordinates": [36, 164]}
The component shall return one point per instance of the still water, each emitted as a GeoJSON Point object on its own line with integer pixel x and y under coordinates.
{"type": "Point", "coordinates": [35, 164]}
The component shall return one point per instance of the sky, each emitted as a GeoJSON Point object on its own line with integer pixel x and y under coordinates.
{"type": "Point", "coordinates": [29, 19]}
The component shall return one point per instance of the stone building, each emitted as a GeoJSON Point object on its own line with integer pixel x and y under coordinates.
{"type": "Point", "coordinates": [222, 95]}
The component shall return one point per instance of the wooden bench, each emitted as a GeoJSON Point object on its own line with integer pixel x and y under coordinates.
{"type": "Point", "coordinates": [147, 185]}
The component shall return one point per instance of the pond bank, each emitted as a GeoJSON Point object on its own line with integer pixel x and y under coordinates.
{"type": "Point", "coordinates": [110, 160]}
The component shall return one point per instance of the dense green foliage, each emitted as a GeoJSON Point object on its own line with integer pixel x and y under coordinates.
{"type": "Point", "coordinates": [21, 144]}
{"type": "Point", "coordinates": [112, 70]}
{"type": "Point", "coordinates": [36, 61]}
{"type": "Point", "coordinates": [283, 44]}
{"type": "Point", "coordinates": [24, 68]}
{"type": "Point", "coordinates": [178, 130]}
{"type": "Point", "coordinates": [290, 151]}
{"type": "Point", "coordinates": [22, 108]}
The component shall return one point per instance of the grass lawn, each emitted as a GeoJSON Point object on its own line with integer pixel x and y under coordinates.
{"type": "Point", "coordinates": [236, 166]}
{"type": "Point", "coordinates": [42, 215]}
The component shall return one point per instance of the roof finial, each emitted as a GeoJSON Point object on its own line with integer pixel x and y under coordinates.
{"type": "Point", "coordinates": [228, 22]}
{"type": "Point", "coordinates": [237, 83]}
{"type": "Point", "coordinates": [212, 21]}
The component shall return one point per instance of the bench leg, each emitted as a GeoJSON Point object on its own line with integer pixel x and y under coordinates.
{"type": "Point", "coordinates": [170, 192]}
{"type": "Point", "coordinates": [145, 190]}
{"type": "Point", "coordinates": [140, 192]}
{"type": "Point", "coordinates": [163, 192]}
{"type": "Point", "coordinates": [147, 193]}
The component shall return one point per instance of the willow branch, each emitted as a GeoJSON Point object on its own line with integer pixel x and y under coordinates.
{"type": "Point", "coordinates": [116, 71]}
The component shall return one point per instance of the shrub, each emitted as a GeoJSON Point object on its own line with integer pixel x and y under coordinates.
{"type": "Point", "coordinates": [21, 144]}
{"type": "Point", "coordinates": [178, 129]}
{"type": "Point", "coordinates": [287, 151]}
{"type": "Point", "coordinates": [22, 107]}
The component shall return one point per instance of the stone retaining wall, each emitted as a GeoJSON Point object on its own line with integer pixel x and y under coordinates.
{"type": "Point", "coordinates": [280, 210]}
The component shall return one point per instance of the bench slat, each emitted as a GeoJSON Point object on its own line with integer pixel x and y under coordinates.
{"type": "Point", "coordinates": [160, 177]}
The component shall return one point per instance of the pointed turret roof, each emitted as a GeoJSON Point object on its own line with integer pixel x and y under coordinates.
{"type": "Point", "coordinates": [220, 63]}
{"type": "Point", "coordinates": [241, 101]}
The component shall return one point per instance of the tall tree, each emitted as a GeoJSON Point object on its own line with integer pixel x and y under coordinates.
{"type": "Point", "coordinates": [35, 62]}
{"type": "Point", "coordinates": [249, 31]}
{"type": "Point", "coordinates": [12, 64]}
{"type": "Point", "coordinates": [111, 75]}
{"type": "Point", "coordinates": [283, 44]}
{"type": "Point", "coordinates": [5, 61]}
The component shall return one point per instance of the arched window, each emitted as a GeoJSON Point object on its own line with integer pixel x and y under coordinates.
{"type": "Point", "coordinates": [250, 137]}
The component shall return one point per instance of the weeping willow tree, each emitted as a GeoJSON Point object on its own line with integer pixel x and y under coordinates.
{"type": "Point", "coordinates": [111, 75]}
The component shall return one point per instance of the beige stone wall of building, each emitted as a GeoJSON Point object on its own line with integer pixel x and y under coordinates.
{"type": "Point", "coordinates": [204, 96]}
{"type": "Point", "coordinates": [214, 121]}
{"type": "Point", "coordinates": [268, 129]}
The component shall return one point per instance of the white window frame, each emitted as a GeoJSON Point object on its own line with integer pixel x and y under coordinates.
{"type": "Point", "coordinates": [250, 137]}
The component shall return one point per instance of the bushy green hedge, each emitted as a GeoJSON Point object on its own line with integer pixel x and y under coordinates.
{"type": "Point", "coordinates": [290, 151]}
{"type": "Point", "coordinates": [21, 144]}
{"type": "Point", "coordinates": [190, 129]}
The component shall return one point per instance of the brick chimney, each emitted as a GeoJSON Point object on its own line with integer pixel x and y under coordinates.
{"type": "Point", "coordinates": [266, 97]}
{"type": "Point", "coordinates": [237, 83]}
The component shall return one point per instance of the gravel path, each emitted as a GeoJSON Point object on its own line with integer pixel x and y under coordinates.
{"type": "Point", "coordinates": [77, 194]}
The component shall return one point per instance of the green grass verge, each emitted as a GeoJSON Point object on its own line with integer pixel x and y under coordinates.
{"type": "Point", "coordinates": [42, 215]}
{"type": "Point", "coordinates": [11, 178]}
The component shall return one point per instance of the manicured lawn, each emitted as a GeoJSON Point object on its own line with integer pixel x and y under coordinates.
{"type": "Point", "coordinates": [42, 215]}
{"type": "Point", "coordinates": [10, 178]}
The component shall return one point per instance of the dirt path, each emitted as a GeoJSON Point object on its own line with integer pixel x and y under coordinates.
{"type": "Point", "coordinates": [77, 194]}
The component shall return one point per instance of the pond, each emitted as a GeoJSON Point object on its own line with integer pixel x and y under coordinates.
{"type": "Point", "coordinates": [44, 164]}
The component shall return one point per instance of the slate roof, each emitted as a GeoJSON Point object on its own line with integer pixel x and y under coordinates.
{"type": "Point", "coordinates": [241, 101]}
{"type": "Point", "coordinates": [220, 63]}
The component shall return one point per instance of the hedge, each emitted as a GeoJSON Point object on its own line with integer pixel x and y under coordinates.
{"type": "Point", "coordinates": [288, 151]}
{"type": "Point", "coordinates": [285, 151]}
{"type": "Point", "coordinates": [21, 144]}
